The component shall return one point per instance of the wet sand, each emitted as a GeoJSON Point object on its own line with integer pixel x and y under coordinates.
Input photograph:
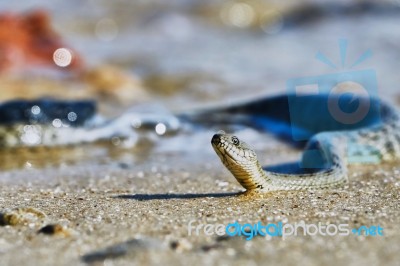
{"type": "Point", "coordinates": [138, 213]}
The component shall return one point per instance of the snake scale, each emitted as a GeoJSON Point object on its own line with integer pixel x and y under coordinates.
{"type": "Point", "coordinates": [379, 138]}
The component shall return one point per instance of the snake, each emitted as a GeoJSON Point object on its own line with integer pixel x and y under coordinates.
{"type": "Point", "coordinates": [330, 143]}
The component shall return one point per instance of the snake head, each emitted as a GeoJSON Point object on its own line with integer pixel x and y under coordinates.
{"type": "Point", "coordinates": [232, 151]}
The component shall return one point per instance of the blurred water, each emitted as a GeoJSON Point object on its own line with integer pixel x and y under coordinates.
{"type": "Point", "coordinates": [185, 37]}
{"type": "Point", "coordinates": [192, 54]}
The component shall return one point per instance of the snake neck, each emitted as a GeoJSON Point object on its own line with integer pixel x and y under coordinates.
{"type": "Point", "coordinates": [251, 176]}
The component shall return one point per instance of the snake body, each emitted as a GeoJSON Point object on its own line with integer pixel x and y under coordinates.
{"type": "Point", "coordinates": [51, 122]}
{"type": "Point", "coordinates": [380, 140]}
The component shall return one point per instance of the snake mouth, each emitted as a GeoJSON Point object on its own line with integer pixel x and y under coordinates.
{"type": "Point", "coordinates": [221, 151]}
{"type": "Point", "coordinates": [216, 139]}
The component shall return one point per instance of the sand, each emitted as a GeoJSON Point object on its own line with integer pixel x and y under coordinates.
{"type": "Point", "coordinates": [138, 214]}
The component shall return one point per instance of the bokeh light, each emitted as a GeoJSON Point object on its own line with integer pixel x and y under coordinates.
{"type": "Point", "coordinates": [57, 123]}
{"type": "Point", "coordinates": [239, 14]}
{"type": "Point", "coordinates": [136, 122]}
{"type": "Point", "coordinates": [31, 135]}
{"type": "Point", "coordinates": [35, 110]}
{"type": "Point", "coordinates": [72, 116]}
{"type": "Point", "coordinates": [160, 129]}
{"type": "Point", "coordinates": [62, 57]}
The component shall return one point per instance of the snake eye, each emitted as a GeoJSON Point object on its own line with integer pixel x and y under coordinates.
{"type": "Point", "coordinates": [235, 141]}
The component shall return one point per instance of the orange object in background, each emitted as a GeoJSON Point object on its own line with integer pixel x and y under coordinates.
{"type": "Point", "coordinates": [28, 41]}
